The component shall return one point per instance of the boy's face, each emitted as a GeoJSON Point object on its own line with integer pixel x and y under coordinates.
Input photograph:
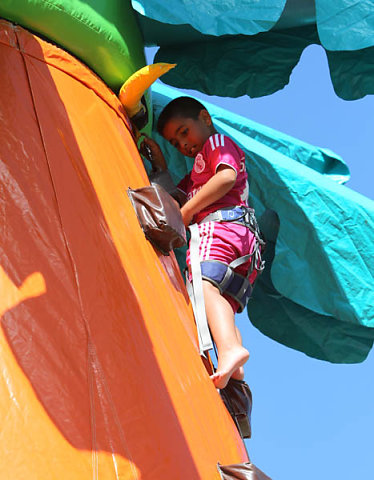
{"type": "Point", "coordinates": [187, 134]}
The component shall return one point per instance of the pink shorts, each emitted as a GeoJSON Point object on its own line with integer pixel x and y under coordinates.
{"type": "Point", "coordinates": [226, 241]}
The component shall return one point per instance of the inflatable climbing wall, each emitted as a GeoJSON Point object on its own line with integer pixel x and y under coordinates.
{"type": "Point", "coordinates": [100, 372]}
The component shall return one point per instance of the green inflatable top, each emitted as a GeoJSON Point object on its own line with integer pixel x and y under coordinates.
{"type": "Point", "coordinates": [103, 34]}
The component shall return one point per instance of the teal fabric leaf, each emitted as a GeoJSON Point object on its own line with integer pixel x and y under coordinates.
{"type": "Point", "coordinates": [345, 24]}
{"type": "Point", "coordinates": [321, 160]}
{"type": "Point", "coordinates": [215, 17]}
{"type": "Point", "coordinates": [352, 73]}
{"type": "Point", "coordinates": [238, 65]}
{"type": "Point", "coordinates": [261, 64]}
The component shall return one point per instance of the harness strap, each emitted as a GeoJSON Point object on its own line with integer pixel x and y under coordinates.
{"type": "Point", "coordinates": [240, 214]}
{"type": "Point", "coordinates": [256, 264]}
{"type": "Point", "coordinates": [195, 291]}
{"type": "Point", "coordinates": [239, 261]}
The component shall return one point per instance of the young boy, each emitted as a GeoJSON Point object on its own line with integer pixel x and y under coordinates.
{"type": "Point", "coordinates": [217, 181]}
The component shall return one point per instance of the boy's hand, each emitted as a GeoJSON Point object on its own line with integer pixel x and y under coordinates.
{"type": "Point", "coordinates": [151, 150]}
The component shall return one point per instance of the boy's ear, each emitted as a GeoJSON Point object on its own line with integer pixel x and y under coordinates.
{"type": "Point", "coordinates": [205, 117]}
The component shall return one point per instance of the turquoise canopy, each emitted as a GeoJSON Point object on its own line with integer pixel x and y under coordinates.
{"type": "Point", "coordinates": [317, 292]}
{"type": "Point", "coordinates": [247, 47]}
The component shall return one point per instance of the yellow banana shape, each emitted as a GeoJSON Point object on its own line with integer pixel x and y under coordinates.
{"type": "Point", "coordinates": [133, 89]}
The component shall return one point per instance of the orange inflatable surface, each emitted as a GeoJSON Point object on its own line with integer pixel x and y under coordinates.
{"type": "Point", "coordinates": [100, 375]}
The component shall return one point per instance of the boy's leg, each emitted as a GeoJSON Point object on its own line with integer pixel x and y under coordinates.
{"type": "Point", "coordinates": [221, 319]}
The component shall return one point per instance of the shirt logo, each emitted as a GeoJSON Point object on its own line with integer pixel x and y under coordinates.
{"type": "Point", "coordinates": [199, 163]}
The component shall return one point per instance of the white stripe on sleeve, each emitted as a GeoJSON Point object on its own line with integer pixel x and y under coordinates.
{"type": "Point", "coordinates": [211, 143]}
{"type": "Point", "coordinates": [216, 139]}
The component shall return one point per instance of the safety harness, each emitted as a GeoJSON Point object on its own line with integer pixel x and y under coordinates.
{"type": "Point", "coordinates": [220, 274]}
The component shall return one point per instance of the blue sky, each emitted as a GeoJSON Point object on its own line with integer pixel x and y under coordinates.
{"type": "Point", "coordinates": [311, 419]}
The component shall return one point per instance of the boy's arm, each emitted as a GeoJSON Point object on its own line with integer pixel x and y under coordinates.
{"type": "Point", "coordinates": [158, 162]}
{"type": "Point", "coordinates": [215, 188]}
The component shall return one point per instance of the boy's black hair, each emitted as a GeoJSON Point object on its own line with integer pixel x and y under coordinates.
{"type": "Point", "coordinates": [186, 107]}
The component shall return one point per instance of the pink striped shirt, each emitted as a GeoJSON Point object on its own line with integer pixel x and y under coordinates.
{"type": "Point", "coordinates": [217, 150]}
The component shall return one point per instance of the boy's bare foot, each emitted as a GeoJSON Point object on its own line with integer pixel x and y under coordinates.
{"type": "Point", "coordinates": [228, 363]}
